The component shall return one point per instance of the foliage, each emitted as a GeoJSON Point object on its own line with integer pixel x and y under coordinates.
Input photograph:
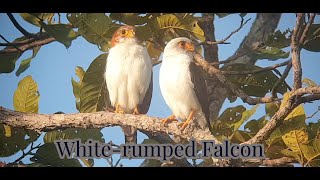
{"type": "Point", "coordinates": [294, 138]}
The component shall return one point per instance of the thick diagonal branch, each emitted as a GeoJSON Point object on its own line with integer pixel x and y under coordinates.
{"type": "Point", "coordinates": [46, 122]}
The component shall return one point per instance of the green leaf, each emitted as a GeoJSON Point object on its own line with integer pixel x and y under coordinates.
{"type": "Point", "coordinates": [26, 97]}
{"type": "Point", "coordinates": [74, 133]}
{"type": "Point", "coordinates": [232, 115]}
{"type": "Point", "coordinates": [130, 18]}
{"type": "Point", "coordinates": [96, 28]}
{"type": "Point", "coordinates": [311, 152]}
{"type": "Point", "coordinates": [254, 84]}
{"type": "Point", "coordinates": [274, 151]}
{"type": "Point", "coordinates": [279, 39]}
{"type": "Point", "coordinates": [309, 82]}
{"type": "Point", "coordinates": [245, 117]}
{"type": "Point", "coordinates": [8, 61]}
{"type": "Point", "coordinates": [14, 139]}
{"type": "Point", "coordinates": [61, 32]}
{"type": "Point", "coordinates": [293, 154]}
{"type": "Point", "coordinates": [32, 17]}
{"type": "Point", "coordinates": [93, 92]}
{"type": "Point", "coordinates": [47, 155]}
{"type": "Point", "coordinates": [270, 53]}
{"type": "Point", "coordinates": [254, 126]}
{"type": "Point", "coordinates": [313, 36]}
{"type": "Point", "coordinates": [295, 138]}
{"type": "Point", "coordinates": [151, 163]}
{"type": "Point", "coordinates": [87, 162]}
{"type": "Point", "coordinates": [171, 21]}
{"type": "Point", "coordinates": [298, 112]}
{"type": "Point", "coordinates": [25, 64]}
{"type": "Point", "coordinates": [313, 129]}
{"type": "Point", "coordinates": [242, 14]}
{"type": "Point", "coordinates": [275, 136]}
{"type": "Point", "coordinates": [240, 137]}
{"type": "Point", "coordinates": [271, 108]}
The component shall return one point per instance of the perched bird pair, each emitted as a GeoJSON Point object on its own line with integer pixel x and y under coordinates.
{"type": "Point", "coordinates": [129, 80]}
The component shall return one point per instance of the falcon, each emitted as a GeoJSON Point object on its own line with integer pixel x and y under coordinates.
{"type": "Point", "coordinates": [128, 77]}
{"type": "Point", "coordinates": [182, 85]}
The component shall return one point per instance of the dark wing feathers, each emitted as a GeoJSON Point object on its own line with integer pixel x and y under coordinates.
{"type": "Point", "coordinates": [144, 107]}
{"type": "Point", "coordinates": [200, 89]}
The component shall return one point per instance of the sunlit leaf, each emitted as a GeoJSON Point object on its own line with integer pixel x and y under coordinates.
{"type": "Point", "coordinates": [311, 152]}
{"type": "Point", "coordinates": [245, 117]}
{"type": "Point", "coordinates": [77, 85]}
{"type": "Point", "coordinates": [26, 97]}
{"type": "Point", "coordinates": [171, 21]}
{"type": "Point", "coordinates": [309, 82]}
{"type": "Point", "coordinates": [61, 32]}
{"type": "Point", "coordinates": [25, 64]}
{"type": "Point", "coordinates": [87, 162]}
{"type": "Point", "coordinates": [295, 138]}
{"type": "Point", "coordinates": [293, 154]}
{"type": "Point", "coordinates": [240, 137]}
{"type": "Point", "coordinates": [254, 84]}
{"type": "Point", "coordinates": [254, 126]}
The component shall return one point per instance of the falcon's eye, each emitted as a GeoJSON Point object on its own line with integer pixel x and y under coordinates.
{"type": "Point", "coordinates": [182, 43]}
{"type": "Point", "coordinates": [123, 32]}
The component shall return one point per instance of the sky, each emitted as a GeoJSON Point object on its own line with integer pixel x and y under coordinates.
{"type": "Point", "coordinates": [54, 66]}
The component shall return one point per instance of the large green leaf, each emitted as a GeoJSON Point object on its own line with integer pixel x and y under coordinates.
{"type": "Point", "coordinates": [93, 93]}
{"type": "Point", "coordinates": [254, 84]}
{"type": "Point", "coordinates": [96, 28]}
{"type": "Point", "coordinates": [14, 139]}
{"type": "Point", "coordinates": [272, 108]}
{"type": "Point", "coordinates": [232, 115]}
{"type": "Point", "coordinates": [25, 64]}
{"type": "Point", "coordinates": [171, 21]}
{"type": "Point", "coordinates": [295, 138]}
{"type": "Point", "coordinates": [279, 39]}
{"type": "Point", "coordinates": [74, 133]}
{"type": "Point", "coordinates": [311, 152]}
{"type": "Point", "coordinates": [33, 18]}
{"type": "Point", "coordinates": [47, 155]}
{"type": "Point", "coordinates": [26, 97]}
{"type": "Point", "coordinates": [240, 137]}
{"type": "Point", "coordinates": [314, 36]}
{"type": "Point", "coordinates": [61, 32]}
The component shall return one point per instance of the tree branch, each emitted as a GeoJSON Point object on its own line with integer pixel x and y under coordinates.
{"type": "Point", "coordinates": [24, 45]}
{"type": "Point", "coordinates": [20, 28]}
{"type": "Point", "coordinates": [284, 161]}
{"type": "Point", "coordinates": [45, 122]}
{"type": "Point", "coordinates": [281, 79]}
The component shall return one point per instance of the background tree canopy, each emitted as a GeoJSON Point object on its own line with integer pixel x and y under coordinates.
{"type": "Point", "coordinates": [256, 53]}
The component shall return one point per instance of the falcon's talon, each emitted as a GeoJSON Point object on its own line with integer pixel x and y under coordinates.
{"type": "Point", "coordinates": [185, 124]}
{"type": "Point", "coordinates": [169, 119]}
{"type": "Point", "coordinates": [119, 110]}
{"type": "Point", "coordinates": [136, 111]}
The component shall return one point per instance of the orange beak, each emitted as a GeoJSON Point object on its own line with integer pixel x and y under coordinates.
{"type": "Point", "coordinates": [131, 34]}
{"type": "Point", "coordinates": [189, 47]}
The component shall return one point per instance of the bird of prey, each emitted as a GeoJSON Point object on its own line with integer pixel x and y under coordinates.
{"type": "Point", "coordinates": [182, 85]}
{"type": "Point", "coordinates": [128, 76]}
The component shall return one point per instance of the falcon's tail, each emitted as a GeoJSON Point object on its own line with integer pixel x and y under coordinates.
{"type": "Point", "coordinates": [130, 134]}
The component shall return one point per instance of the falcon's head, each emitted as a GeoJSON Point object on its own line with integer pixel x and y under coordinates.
{"type": "Point", "coordinates": [123, 34]}
{"type": "Point", "coordinates": [179, 45]}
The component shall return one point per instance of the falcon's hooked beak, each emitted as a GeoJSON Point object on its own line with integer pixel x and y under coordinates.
{"type": "Point", "coordinates": [131, 34]}
{"type": "Point", "coordinates": [189, 47]}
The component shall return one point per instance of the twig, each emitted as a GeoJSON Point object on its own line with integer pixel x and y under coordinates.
{"type": "Point", "coordinates": [281, 79]}
{"type": "Point", "coordinates": [269, 68]}
{"type": "Point", "coordinates": [284, 161]}
{"type": "Point", "coordinates": [306, 29]}
{"type": "Point", "coordinates": [314, 113]}
{"type": "Point", "coordinates": [24, 154]}
{"type": "Point", "coordinates": [9, 43]}
{"type": "Point", "coordinates": [117, 162]}
{"type": "Point", "coordinates": [20, 28]}
{"type": "Point", "coordinates": [223, 41]}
